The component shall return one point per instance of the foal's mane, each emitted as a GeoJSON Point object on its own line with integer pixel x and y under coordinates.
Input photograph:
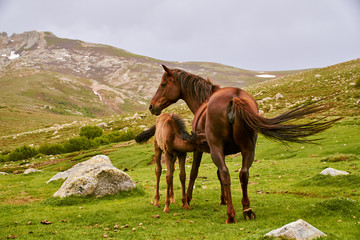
{"type": "Point", "coordinates": [181, 125]}
{"type": "Point", "coordinates": [197, 87]}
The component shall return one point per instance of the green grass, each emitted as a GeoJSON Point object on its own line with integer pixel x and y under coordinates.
{"type": "Point", "coordinates": [284, 187]}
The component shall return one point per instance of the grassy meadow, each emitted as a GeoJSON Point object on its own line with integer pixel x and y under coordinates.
{"type": "Point", "coordinates": [284, 185]}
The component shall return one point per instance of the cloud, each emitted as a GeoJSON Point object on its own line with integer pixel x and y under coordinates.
{"type": "Point", "coordinates": [259, 34]}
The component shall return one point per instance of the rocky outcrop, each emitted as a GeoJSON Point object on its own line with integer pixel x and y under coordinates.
{"type": "Point", "coordinates": [299, 230]}
{"type": "Point", "coordinates": [95, 177]}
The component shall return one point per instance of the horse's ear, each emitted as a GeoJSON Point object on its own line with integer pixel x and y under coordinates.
{"type": "Point", "coordinates": [166, 69]}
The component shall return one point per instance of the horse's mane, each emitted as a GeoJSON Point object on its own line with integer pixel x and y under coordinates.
{"type": "Point", "coordinates": [197, 87]}
{"type": "Point", "coordinates": [181, 124]}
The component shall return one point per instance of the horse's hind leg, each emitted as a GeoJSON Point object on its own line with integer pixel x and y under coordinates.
{"type": "Point", "coordinates": [169, 179]}
{"type": "Point", "coordinates": [248, 158]}
{"type": "Point", "coordinates": [222, 196]}
{"type": "Point", "coordinates": [217, 155]}
{"type": "Point", "coordinates": [182, 176]}
{"type": "Point", "coordinates": [158, 169]}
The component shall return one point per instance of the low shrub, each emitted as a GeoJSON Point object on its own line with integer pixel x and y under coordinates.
{"type": "Point", "coordinates": [90, 132]}
{"type": "Point", "coordinates": [52, 149]}
{"type": "Point", "coordinates": [23, 152]}
{"type": "Point", "coordinates": [77, 144]}
{"type": "Point", "coordinates": [3, 158]}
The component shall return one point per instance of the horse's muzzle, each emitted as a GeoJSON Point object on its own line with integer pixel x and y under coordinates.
{"type": "Point", "coordinates": [154, 110]}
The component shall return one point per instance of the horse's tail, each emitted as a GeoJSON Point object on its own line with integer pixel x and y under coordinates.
{"type": "Point", "coordinates": [280, 127]}
{"type": "Point", "coordinates": [145, 135]}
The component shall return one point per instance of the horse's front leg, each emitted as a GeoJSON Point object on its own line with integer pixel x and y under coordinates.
{"type": "Point", "coordinates": [193, 174]}
{"type": "Point", "coordinates": [182, 175]}
{"type": "Point", "coordinates": [158, 169]}
{"type": "Point", "coordinates": [169, 180]}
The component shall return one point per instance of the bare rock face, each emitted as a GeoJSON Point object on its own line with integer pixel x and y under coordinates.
{"type": "Point", "coordinates": [95, 177]}
{"type": "Point", "coordinates": [333, 172]}
{"type": "Point", "coordinates": [299, 230]}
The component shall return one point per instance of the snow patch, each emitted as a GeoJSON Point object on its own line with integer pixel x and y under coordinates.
{"type": "Point", "coordinates": [13, 55]}
{"type": "Point", "coordinates": [266, 76]}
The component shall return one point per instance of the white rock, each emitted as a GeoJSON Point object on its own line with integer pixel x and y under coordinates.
{"type": "Point", "coordinates": [278, 96]}
{"type": "Point", "coordinates": [299, 230]}
{"type": "Point", "coordinates": [333, 172]}
{"type": "Point", "coordinates": [4, 173]}
{"type": "Point", "coordinates": [266, 99]}
{"type": "Point", "coordinates": [31, 170]}
{"type": "Point", "coordinates": [102, 125]}
{"type": "Point", "coordinates": [96, 176]}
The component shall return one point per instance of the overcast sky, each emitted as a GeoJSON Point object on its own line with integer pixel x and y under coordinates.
{"type": "Point", "coordinates": [253, 34]}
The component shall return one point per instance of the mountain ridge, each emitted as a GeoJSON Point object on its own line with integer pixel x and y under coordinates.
{"type": "Point", "coordinates": [119, 80]}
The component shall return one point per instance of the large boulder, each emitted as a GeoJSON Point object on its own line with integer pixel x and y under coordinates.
{"type": "Point", "coordinates": [94, 177]}
{"type": "Point", "coordinates": [299, 230]}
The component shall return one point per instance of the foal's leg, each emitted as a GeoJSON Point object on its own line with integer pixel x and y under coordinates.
{"type": "Point", "coordinates": [182, 176]}
{"type": "Point", "coordinates": [169, 179]}
{"type": "Point", "coordinates": [193, 174]}
{"type": "Point", "coordinates": [217, 155]}
{"type": "Point", "coordinates": [158, 169]}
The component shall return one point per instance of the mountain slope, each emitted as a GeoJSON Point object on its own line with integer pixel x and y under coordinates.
{"type": "Point", "coordinates": [45, 73]}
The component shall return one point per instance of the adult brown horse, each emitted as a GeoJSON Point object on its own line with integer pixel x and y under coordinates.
{"type": "Point", "coordinates": [229, 120]}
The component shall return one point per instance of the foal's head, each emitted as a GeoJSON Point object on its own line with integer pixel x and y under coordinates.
{"type": "Point", "coordinates": [168, 92]}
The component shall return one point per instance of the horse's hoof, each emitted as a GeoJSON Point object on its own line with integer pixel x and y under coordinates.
{"type": "Point", "coordinates": [156, 205]}
{"type": "Point", "coordinates": [230, 220]}
{"type": "Point", "coordinates": [185, 206]}
{"type": "Point", "coordinates": [249, 214]}
{"type": "Point", "coordinates": [166, 210]}
{"type": "Point", "coordinates": [222, 203]}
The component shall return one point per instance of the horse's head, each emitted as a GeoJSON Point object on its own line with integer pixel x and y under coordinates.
{"type": "Point", "coordinates": [168, 92]}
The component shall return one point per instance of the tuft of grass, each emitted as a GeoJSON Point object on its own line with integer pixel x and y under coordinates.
{"type": "Point", "coordinates": [340, 157]}
{"type": "Point", "coordinates": [80, 200]}
{"type": "Point", "coordinates": [350, 180]}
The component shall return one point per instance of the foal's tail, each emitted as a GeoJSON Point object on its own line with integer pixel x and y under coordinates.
{"type": "Point", "coordinates": [145, 135]}
{"type": "Point", "coordinates": [274, 128]}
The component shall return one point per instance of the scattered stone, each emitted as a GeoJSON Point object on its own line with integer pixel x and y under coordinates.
{"type": "Point", "coordinates": [278, 96]}
{"type": "Point", "coordinates": [299, 230]}
{"type": "Point", "coordinates": [12, 236]}
{"type": "Point", "coordinates": [31, 170]}
{"type": "Point", "coordinates": [133, 229]}
{"type": "Point", "coordinates": [333, 172]}
{"type": "Point", "coordinates": [45, 222]}
{"type": "Point", "coordinates": [102, 125]}
{"type": "Point", "coordinates": [29, 223]}
{"type": "Point", "coordinates": [140, 224]}
{"type": "Point", "coordinates": [4, 173]}
{"type": "Point", "coordinates": [125, 226]}
{"type": "Point", "coordinates": [105, 235]}
{"type": "Point", "coordinates": [116, 226]}
{"type": "Point", "coordinates": [156, 216]}
{"type": "Point", "coordinates": [95, 177]}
